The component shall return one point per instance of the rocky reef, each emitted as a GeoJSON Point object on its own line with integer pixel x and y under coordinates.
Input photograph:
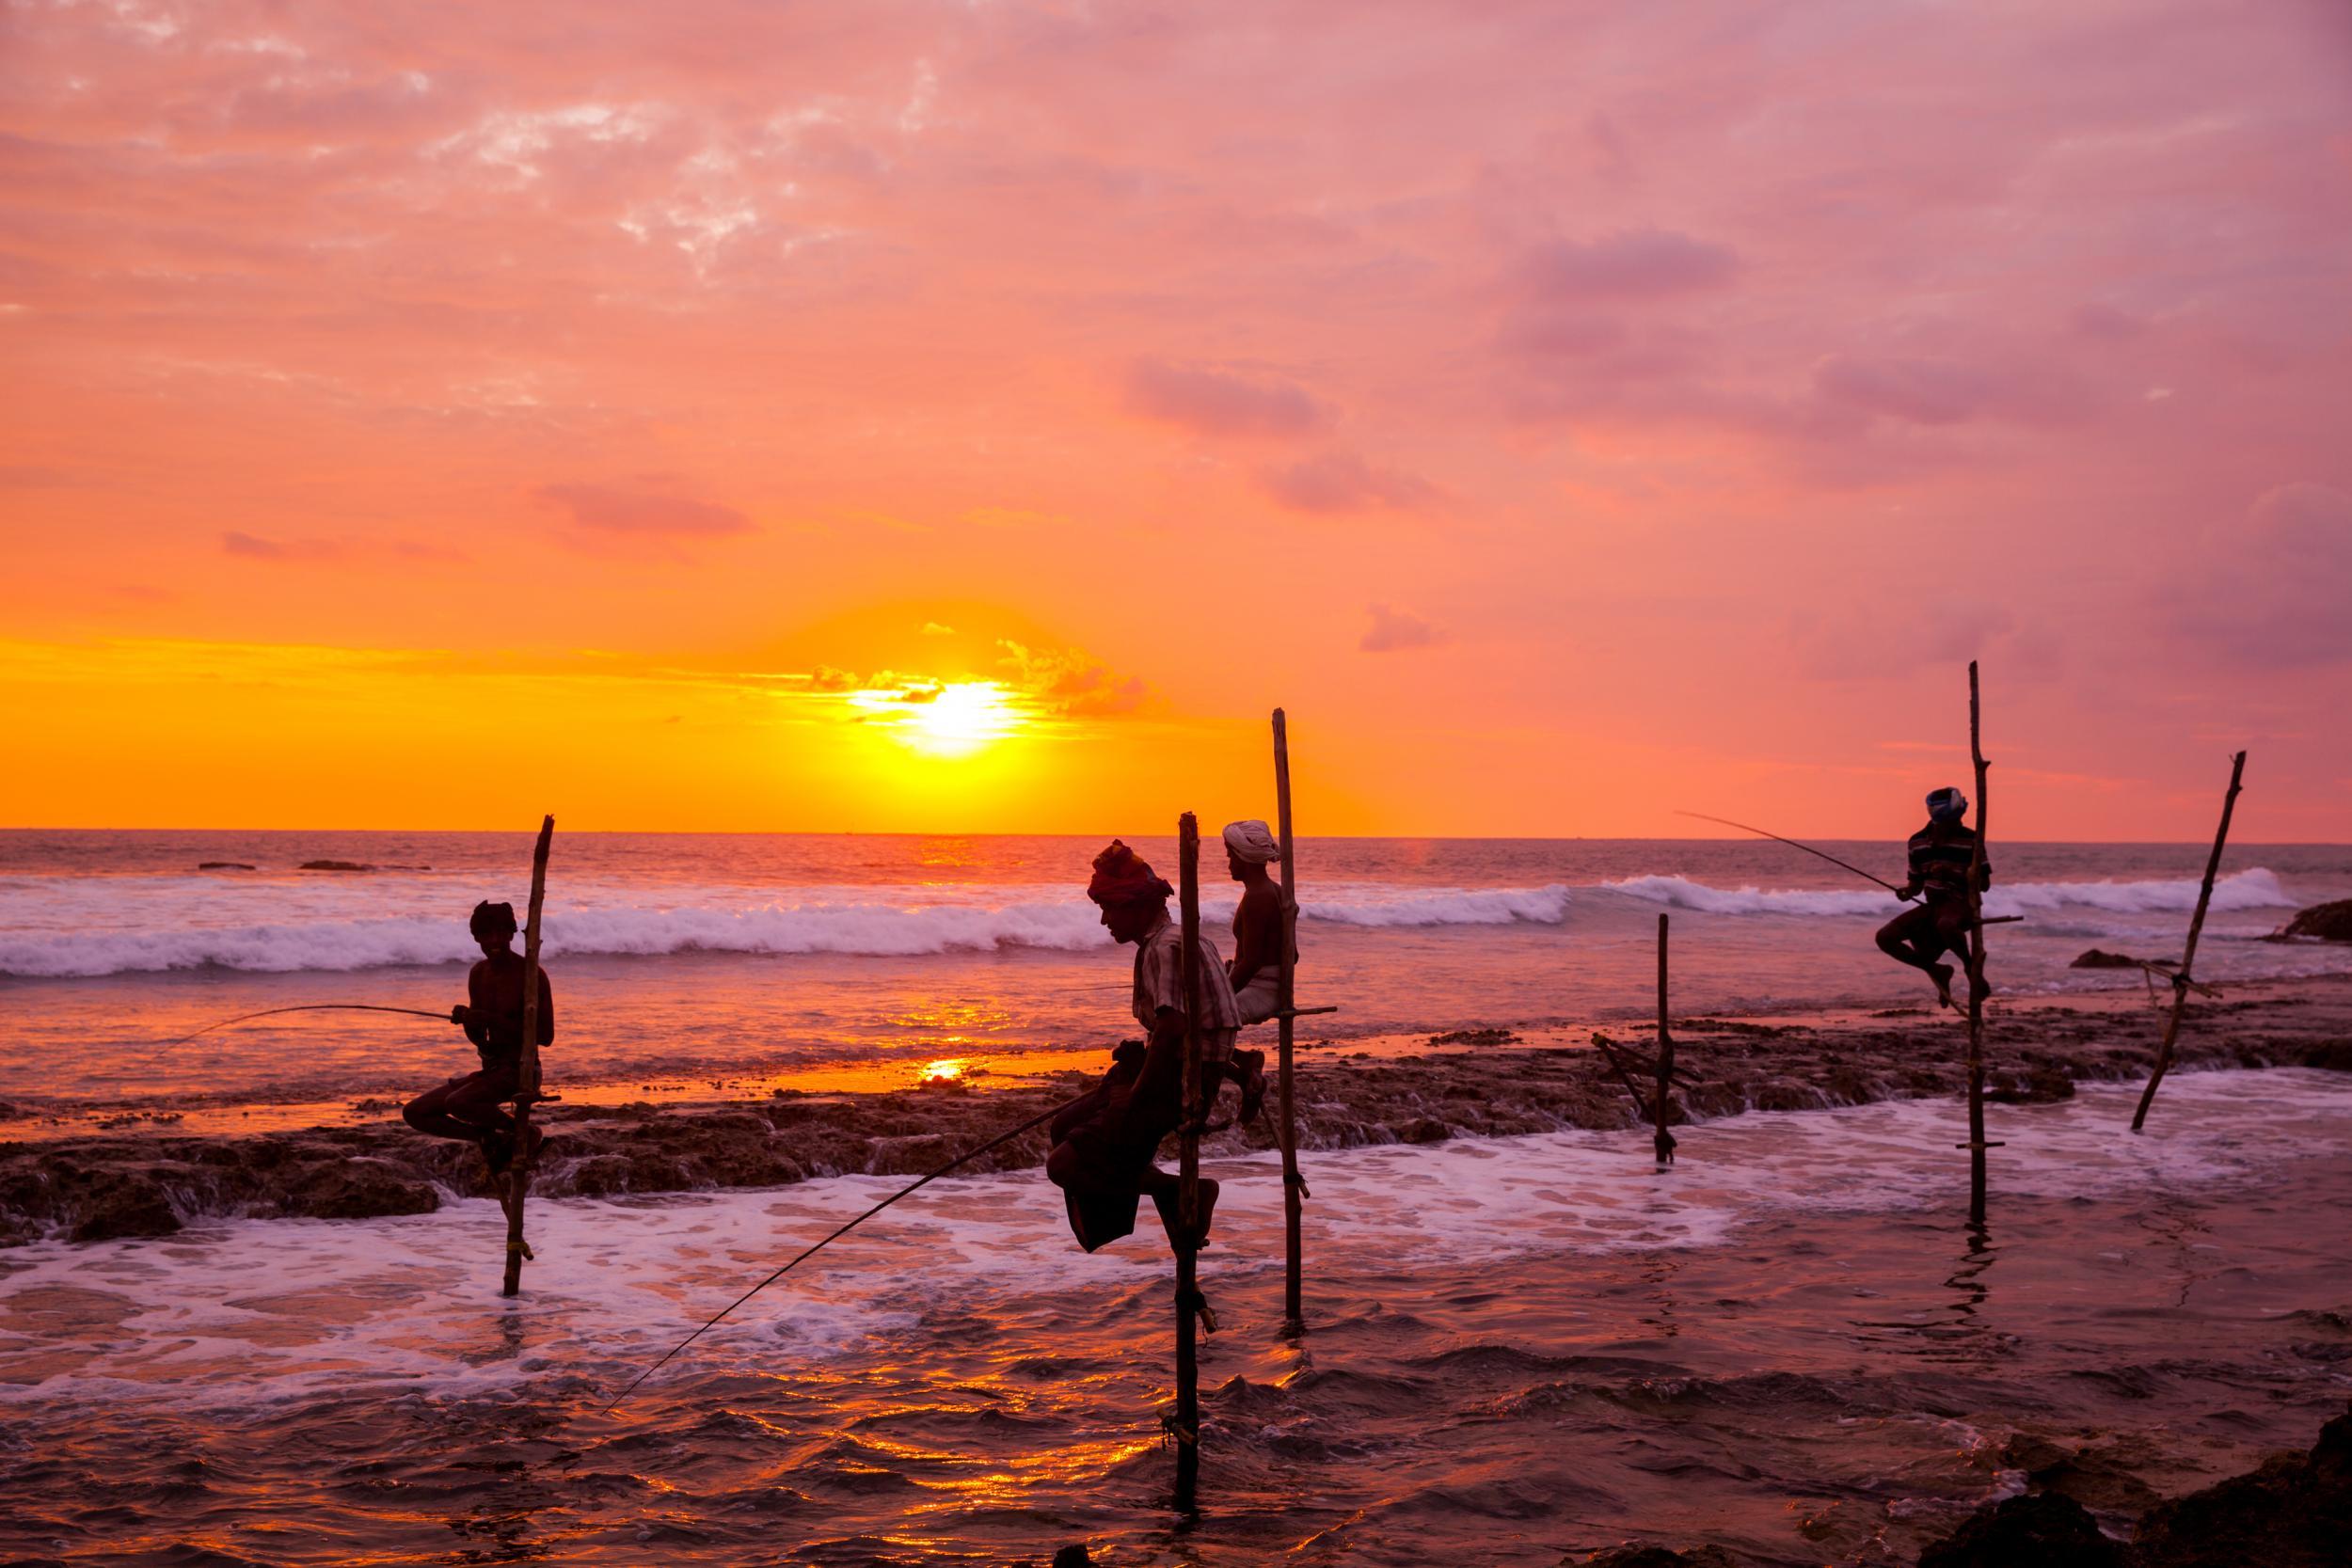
{"type": "Point", "coordinates": [152, 1183]}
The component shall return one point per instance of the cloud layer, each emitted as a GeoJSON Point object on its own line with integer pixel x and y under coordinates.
{"type": "Point", "coordinates": [1824, 344]}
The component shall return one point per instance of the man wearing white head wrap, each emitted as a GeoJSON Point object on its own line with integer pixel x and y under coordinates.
{"type": "Point", "coordinates": [1253, 842]}
{"type": "Point", "coordinates": [1256, 969]}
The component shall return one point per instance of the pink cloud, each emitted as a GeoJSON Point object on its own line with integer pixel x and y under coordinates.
{"type": "Point", "coordinates": [1394, 629]}
{"type": "Point", "coordinates": [653, 505]}
{"type": "Point", "coordinates": [1641, 264]}
{"type": "Point", "coordinates": [2272, 589]}
{"type": "Point", "coordinates": [1342, 482]}
{"type": "Point", "coordinates": [1212, 401]}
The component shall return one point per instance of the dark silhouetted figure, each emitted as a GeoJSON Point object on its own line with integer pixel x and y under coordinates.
{"type": "Point", "coordinates": [1941, 854]}
{"type": "Point", "coordinates": [473, 1107]}
{"type": "Point", "coordinates": [1106, 1142]}
{"type": "Point", "coordinates": [1256, 969]}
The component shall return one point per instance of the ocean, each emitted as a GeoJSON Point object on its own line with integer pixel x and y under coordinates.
{"type": "Point", "coordinates": [1518, 1349]}
{"type": "Point", "coordinates": [1790, 1343]}
{"type": "Point", "coordinates": [691, 960]}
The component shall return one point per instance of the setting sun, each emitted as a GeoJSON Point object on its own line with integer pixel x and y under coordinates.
{"type": "Point", "coordinates": [953, 720]}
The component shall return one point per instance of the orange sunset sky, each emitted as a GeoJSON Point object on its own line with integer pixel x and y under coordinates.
{"type": "Point", "coordinates": [891, 415]}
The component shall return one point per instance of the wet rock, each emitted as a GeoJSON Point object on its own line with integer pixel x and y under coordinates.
{"type": "Point", "coordinates": [222, 865]}
{"type": "Point", "coordinates": [1073, 1557]}
{"type": "Point", "coordinates": [2041, 1530]}
{"type": "Point", "coordinates": [2099, 958]}
{"type": "Point", "coordinates": [335, 866]}
{"type": "Point", "coordinates": [1781, 1094]}
{"type": "Point", "coordinates": [2095, 1477]}
{"type": "Point", "coordinates": [910, 1156]}
{"type": "Point", "coordinates": [2295, 1511]}
{"type": "Point", "coordinates": [1421, 1129]}
{"type": "Point", "coordinates": [123, 1203]}
{"type": "Point", "coordinates": [2321, 922]}
{"type": "Point", "coordinates": [358, 1189]}
{"type": "Point", "coordinates": [1475, 1037]}
{"type": "Point", "coordinates": [1652, 1557]}
{"type": "Point", "coordinates": [598, 1176]}
{"type": "Point", "coordinates": [2039, 1084]}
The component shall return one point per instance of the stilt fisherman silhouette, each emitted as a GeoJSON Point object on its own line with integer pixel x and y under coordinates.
{"type": "Point", "coordinates": [1106, 1142]}
{"type": "Point", "coordinates": [473, 1106]}
{"type": "Point", "coordinates": [1941, 855]}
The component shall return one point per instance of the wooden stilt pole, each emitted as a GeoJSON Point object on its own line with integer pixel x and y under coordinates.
{"type": "Point", "coordinates": [2182, 984]}
{"type": "Point", "coordinates": [1188, 1179]}
{"type": "Point", "coordinates": [1976, 1145]}
{"type": "Point", "coordinates": [527, 1080]}
{"type": "Point", "coordinates": [1293, 1184]}
{"type": "Point", "coordinates": [1664, 1140]}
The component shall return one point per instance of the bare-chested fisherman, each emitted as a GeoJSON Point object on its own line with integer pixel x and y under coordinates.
{"type": "Point", "coordinates": [1941, 855]}
{"type": "Point", "coordinates": [1106, 1144]}
{"type": "Point", "coordinates": [1256, 972]}
{"type": "Point", "coordinates": [472, 1107]}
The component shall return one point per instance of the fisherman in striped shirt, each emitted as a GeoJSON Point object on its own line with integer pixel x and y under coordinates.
{"type": "Point", "coordinates": [1105, 1143]}
{"type": "Point", "coordinates": [1942, 854]}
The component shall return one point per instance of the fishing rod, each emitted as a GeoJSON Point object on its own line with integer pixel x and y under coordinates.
{"type": "Point", "coordinates": [1794, 845]}
{"type": "Point", "coordinates": [709, 1324]}
{"type": "Point", "coordinates": [309, 1008]}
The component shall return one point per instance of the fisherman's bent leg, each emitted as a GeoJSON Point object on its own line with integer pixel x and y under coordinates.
{"type": "Point", "coordinates": [478, 1099]}
{"type": "Point", "coordinates": [430, 1113]}
{"type": "Point", "coordinates": [1911, 939]}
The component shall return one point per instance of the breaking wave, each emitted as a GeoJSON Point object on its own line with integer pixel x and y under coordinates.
{"type": "Point", "coordinates": [873, 925]}
{"type": "Point", "coordinates": [2254, 889]}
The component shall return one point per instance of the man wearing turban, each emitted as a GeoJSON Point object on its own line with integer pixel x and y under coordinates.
{"type": "Point", "coordinates": [1106, 1143]}
{"type": "Point", "coordinates": [472, 1107]}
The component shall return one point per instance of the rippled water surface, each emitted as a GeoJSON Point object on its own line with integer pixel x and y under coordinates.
{"type": "Point", "coordinates": [1790, 1344]}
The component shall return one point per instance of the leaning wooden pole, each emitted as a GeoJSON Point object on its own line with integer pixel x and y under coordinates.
{"type": "Point", "coordinates": [527, 1078]}
{"type": "Point", "coordinates": [2180, 982]}
{"type": "Point", "coordinates": [1293, 1184]}
{"type": "Point", "coordinates": [1188, 1179]}
{"type": "Point", "coordinates": [1976, 1145]}
{"type": "Point", "coordinates": [1663, 1140]}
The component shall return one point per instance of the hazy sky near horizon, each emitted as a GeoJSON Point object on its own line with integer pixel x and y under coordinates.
{"type": "Point", "coordinates": [976, 416]}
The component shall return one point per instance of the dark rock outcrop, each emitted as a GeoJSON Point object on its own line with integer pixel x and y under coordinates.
{"type": "Point", "coordinates": [144, 1183]}
{"type": "Point", "coordinates": [2321, 922]}
{"type": "Point", "coordinates": [2040, 1530]}
{"type": "Point", "coordinates": [1653, 1557]}
{"type": "Point", "coordinates": [122, 1203]}
{"type": "Point", "coordinates": [222, 865]}
{"type": "Point", "coordinates": [2098, 1476]}
{"type": "Point", "coordinates": [2295, 1511]}
{"type": "Point", "coordinates": [335, 866]}
{"type": "Point", "coordinates": [359, 1188]}
{"type": "Point", "coordinates": [2100, 958]}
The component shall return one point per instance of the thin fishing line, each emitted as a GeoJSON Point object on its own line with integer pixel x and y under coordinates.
{"type": "Point", "coordinates": [309, 1008]}
{"type": "Point", "coordinates": [998, 1142]}
{"type": "Point", "coordinates": [1794, 845]}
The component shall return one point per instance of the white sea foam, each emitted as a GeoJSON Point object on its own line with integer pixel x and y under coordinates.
{"type": "Point", "coordinates": [2254, 889]}
{"type": "Point", "coordinates": [256, 1310]}
{"type": "Point", "coordinates": [878, 922]}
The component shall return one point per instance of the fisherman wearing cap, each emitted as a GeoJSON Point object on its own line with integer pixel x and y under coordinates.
{"type": "Point", "coordinates": [1941, 855]}
{"type": "Point", "coordinates": [472, 1107]}
{"type": "Point", "coordinates": [1256, 970]}
{"type": "Point", "coordinates": [1105, 1143]}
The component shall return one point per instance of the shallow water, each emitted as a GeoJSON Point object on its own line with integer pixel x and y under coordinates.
{"type": "Point", "coordinates": [698, 958]}
{"type": "Point", "coordinates": [1790, 1344]}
